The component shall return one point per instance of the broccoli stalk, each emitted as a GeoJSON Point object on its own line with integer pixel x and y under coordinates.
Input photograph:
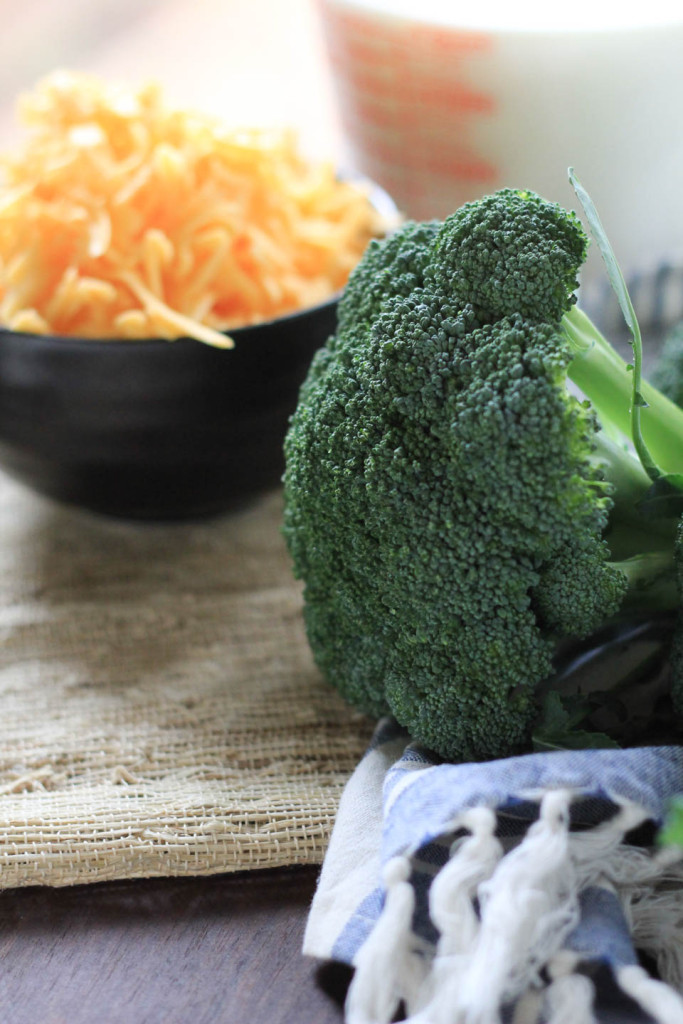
{"type": "Point", "coordinates": [605, 378]}
{"type": "Point", "coordinates": [642, 518]}
{"type": "Point", "coordinates": [628, 405]}
{"type": "Point", "coordinates": [455, 511]}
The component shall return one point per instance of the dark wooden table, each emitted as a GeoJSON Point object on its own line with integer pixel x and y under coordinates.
{"type": "Point", "coordinates": [221, 950]}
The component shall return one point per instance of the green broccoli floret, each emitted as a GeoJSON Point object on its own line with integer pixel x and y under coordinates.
{"type": "Point", "coordinates": [391, 268]}
{"type": "Point", "coordinates": [512, 254]}
{"type": "Point", "coordinates": [447, 501]}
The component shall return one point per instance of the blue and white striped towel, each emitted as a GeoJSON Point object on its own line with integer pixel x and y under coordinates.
{"type": "Point", "coordinates": [523, 890]}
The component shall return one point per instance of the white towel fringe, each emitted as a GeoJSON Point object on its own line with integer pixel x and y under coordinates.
{"type": "Point", "coordinates": [569, 998]}
{"type": "Point", "coordinates": [384, 963]}
{"type": "Point", "coordinates": [528, 907]}
{"type": "Point", "coordinates": [656, 921]}
{"type": "Point", "coordinates": [653, 905]}
{"type": "Point", "coordinates": [451, 908]}
{"type": "Point", "coordinates": [650, 889]}
{"type": "Point", "coordinates": [528, 1007]}
{"type": "Point", "coordinates": [473, 860]}
{"type": "Point", "coordinates": [592, 848]}
{"type": "Point", "coordinates": [629, 867]}
{"type": "Point", "coordinates": [654, 997]}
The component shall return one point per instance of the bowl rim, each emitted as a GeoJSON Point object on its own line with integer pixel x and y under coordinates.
{"type": "Point", "coordinates": [237, 332]}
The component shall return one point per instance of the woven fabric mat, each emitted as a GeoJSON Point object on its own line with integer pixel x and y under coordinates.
{"type": "Point", "coordinates": [159, 710]}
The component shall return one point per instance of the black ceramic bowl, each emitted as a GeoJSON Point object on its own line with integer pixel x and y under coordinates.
{"type": "Point", "coordinates": [153, 429]}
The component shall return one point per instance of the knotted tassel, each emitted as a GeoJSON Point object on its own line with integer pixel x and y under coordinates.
{"type": "Point", "coordinates": [451, 909]}
{"type": "Point", "coordinates": [656, 998]}
{"type": "Point", "coordinates": [600, 850]}
{"type": "Point", "coordinates": [385, 968]}
{"type": "Point", "coordinates": [528, 908]}
{"type": "Point", "coordinates": [528, 1007]}
{"type": "Point", "coordinates": [569, 998]}
{"type": "Point", "coordinates": [647, 886]}
{"type": "Point", "coordinates": [472, 862]}
{"type": "Point", "coordinates": [657, 928]}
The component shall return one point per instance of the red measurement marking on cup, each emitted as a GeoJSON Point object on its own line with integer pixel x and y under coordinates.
{"type": "Point", "coordinates": [454, 96]}
{"type": "Point", "coordinates": [407, 97]}
{"type": "Point", "coordinates": [460, 162]}
{"type": "Point", "coordinates": [463, 167]}
{"type": "Point", "coordinates": [373, 92]}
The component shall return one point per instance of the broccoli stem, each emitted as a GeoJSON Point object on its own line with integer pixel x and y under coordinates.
{"type": "Point", "coordinates": [605, 379]}
{"type": "Point", "coordinates": [651, 582]}
{"type": "Point", "coordinates": [622, 468]}
{"type": "Point", "coordinates": [630, 531]}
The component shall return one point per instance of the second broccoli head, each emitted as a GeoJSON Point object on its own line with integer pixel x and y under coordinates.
{"type": "Point", "coordinates": [446, 504]}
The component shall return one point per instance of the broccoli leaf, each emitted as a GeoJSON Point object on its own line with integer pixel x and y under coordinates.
{"type": "Point", "coordinates": [556, 726]}
{"type": "Point", "coordinates": [672, 832]}
{"type": "Point", "coordinates": [664, 499]}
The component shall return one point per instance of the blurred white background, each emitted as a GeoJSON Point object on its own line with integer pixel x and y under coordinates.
{"type": "Point", "coordinates": [259, 62]}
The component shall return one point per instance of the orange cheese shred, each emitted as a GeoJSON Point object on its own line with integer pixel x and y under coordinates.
{"type": "Point", "coordinates": [122, 218]}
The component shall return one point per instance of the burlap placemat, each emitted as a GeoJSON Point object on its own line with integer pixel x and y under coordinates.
{"type": "Point", "coordinates": [160, 712]}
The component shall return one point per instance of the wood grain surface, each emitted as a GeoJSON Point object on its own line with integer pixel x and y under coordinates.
{"type": "Point", "coordinates": [221, 950]}
{"type": "Point", "coordinates": [218, 950]}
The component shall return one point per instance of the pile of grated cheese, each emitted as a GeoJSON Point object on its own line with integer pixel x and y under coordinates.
{"type": "Point", "coordinates": [121, 218]}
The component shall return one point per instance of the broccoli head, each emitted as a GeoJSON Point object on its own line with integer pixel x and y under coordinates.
{"type": "Point", "coordinates": [511, 253]}
{"type": "Point", "coordinates": [446, 504]}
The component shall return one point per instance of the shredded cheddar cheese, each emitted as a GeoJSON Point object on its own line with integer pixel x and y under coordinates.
{"type": "Point", "coordinates": [121, 218]}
